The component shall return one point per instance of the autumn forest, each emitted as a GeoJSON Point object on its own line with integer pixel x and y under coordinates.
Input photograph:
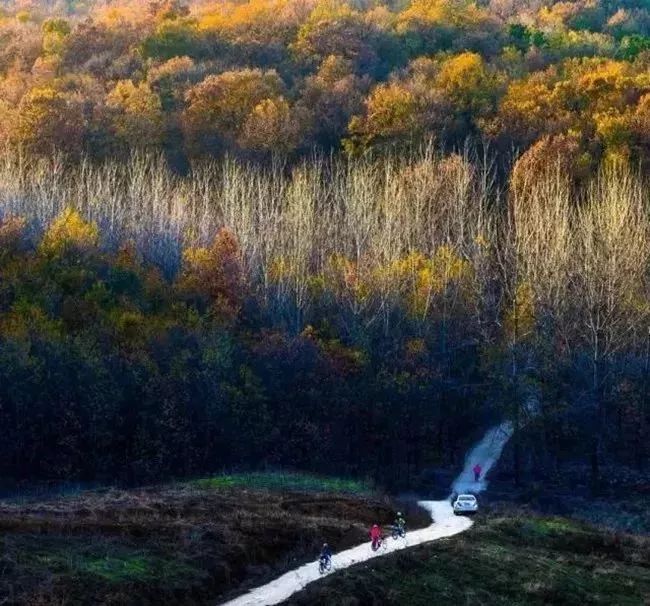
{"type": "Point", "coordinates": [340, 236]}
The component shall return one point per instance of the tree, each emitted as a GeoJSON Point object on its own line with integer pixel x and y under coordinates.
{"type": "Point", "coordinates": [469, 85]}
{"type": "Point", "coordinates": [49, 120]}
{"type": "Point", "coordinates": [213, 276]}
{"type": "Point", "coordinates": [547, 158]}
{"type": "Point", "coordinates": [218, 107]}
{"type": "Point", "coordinates": [608, 282]}
{"type": "Point", "coordinates": [99, 47]}
{"type": "Point", "coordinates": [254, 32]}
{"type": "Point", "coordinates": [632, 46]}
{"type": "Point", "coordinates": [431, 26]}
{"type": "Point", "coordinates": [330, 98]}
{"type": "Point", "coordinates": [641, 127]}
{"type": "Point", "coordinates": [11, 234]}
{"type": "Point", "coordinates": [335, 28]}
{"type": "Point", "coordinates": [173, 37]}
{"type": "Point", "coordinates": [171, 80]}
{"type": "Point", "coordinates": [529, 109]}
{"type": "Point", "coordinates": [69, 233]}
{"type": "Point", "coordinates": [390, 117]}
{"type": "Point", "coordinates": [270, 127]}
{"type": "Point", "coordinates": [137, 115]}
{"type": "Point", "coordinates": [587, 97]}
{"type": "Point", "coordinates": [55, 34]}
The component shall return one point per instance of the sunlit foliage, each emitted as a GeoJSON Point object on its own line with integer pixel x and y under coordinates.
{"type": "Point", "coordinates": [69, 231]}
{"type": "Point", "coordinates": [233, 77]}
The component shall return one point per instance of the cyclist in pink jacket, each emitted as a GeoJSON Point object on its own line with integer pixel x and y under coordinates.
{"type": "Point", "coordinates": [375, 536]}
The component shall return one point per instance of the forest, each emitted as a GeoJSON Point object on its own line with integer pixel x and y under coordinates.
{"type": "Point", "coordinates": [325, 235]}
{"type": "Point", "coordinates": [368, 316]}
{"type": "Point", "coordinates": [285, 77]}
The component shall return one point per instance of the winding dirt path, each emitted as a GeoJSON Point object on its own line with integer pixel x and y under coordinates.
{"type": "Point", "coordinates": [444, 524]}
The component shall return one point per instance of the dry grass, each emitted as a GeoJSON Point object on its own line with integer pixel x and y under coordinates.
{"type": "Point", "coordinates": [180, 544]}
{"type": "Point", "coordinates": [505, 559]}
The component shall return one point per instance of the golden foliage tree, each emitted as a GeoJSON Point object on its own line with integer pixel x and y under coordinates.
{"type": "Point", "coordinates": [69, 231]}
{"type": "Point", "coordinates": [391, 115]}
{"type": "Point", "coordinates": [48, 120]}
{"type": "Point", "coordinates": [218, 107]}
{"type": "Point", "coordinates": [136, 114]}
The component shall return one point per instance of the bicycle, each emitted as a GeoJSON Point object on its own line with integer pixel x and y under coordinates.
{"type": "Point", "coordinates": [398, 532]}
{"type": "Point", "coordinates": [324, 565]}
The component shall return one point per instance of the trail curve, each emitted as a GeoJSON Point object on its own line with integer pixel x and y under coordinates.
{"type": "Point", "coordinates": [444, 524]}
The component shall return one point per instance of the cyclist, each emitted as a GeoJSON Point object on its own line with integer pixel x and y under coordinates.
{"type": "Point", "coordinates": [400, 524]}
{"type": "Point", "coordinates": [375, 536]}
{"type": "Point", "coordinates": [325, 558]}
{"type": "Point", "coordinates": [326, 553]}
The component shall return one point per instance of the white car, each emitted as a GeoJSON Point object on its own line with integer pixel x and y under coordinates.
{"type": "Point", "coordinates": [465, 503]}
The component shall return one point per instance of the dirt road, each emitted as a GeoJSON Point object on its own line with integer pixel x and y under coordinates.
{"type": "Point", "coordinates": [444, 524]}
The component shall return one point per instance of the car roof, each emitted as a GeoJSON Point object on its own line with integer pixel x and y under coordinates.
{"type": "Point", "coordinates": [466, 496]}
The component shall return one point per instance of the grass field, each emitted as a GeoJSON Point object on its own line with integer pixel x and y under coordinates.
{"type": "Point", "coordinates": [503, 560]}
{"type": "Point", "coordinates": [288, 481]}
{"type": "Point", "coordinates": [204, 541]}
{"type": "Point", "coordinates": [191, 543]}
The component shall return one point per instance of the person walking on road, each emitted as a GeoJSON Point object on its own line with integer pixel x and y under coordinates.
{"type": "Point", "coordinates": [477, 472]}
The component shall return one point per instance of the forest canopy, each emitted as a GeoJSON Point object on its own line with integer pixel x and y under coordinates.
{"type": "Point", "coordinates": [261, 77]}
{"type": "Point", "coordinates": [341, 236]}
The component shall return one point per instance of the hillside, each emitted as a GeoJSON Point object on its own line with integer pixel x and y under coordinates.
{"type": "Point", "coordinates": [186, 544]}
{"type": "Point", "coordinates": [508, 558]}
{"type": "Point", "coordinates": [201, 542]}
{"type": "Point", "coordinates": [270, 243]}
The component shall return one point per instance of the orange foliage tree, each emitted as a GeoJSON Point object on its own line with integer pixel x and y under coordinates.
{"type": "Point", "coordinates": [213, 275]}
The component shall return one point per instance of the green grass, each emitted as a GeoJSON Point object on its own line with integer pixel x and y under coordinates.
{"type": "Point", "coordinates": [629, 514]}
{"type": "Point", "coordinates": [120, 569]}
{"type": "Point", "coordinates": [114, 564]}
{"type": "Point", "coordinates": [83, 562]}
{"type": "Point", "coordinates": [135, 567]}
{"type": "Point", "coordinates": [502, 561]}
{"type": "Point", "coordinates": [300, 482]}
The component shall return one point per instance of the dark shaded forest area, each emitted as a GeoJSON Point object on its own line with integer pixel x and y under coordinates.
{"type": "Point", "coordinates": [109, 370]}
{"type": "Point", "coordinates": [333, 340]}
{"type": "Point", "coordinates": [327, 235]}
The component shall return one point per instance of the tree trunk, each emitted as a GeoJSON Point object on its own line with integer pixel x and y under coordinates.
{"type": "Point", "coordinates": [596, 447]}
{"type": "Point", "coordinates": [517, 443]}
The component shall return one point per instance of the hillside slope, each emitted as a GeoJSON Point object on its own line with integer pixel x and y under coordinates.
{"type": "Point", "coordinates": [502, 560]}
{"type": "Point", "coordinates": [186, 544]}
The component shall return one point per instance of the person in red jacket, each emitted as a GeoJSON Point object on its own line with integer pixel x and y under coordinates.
{"type": "Point", "coordinates": [477, 472]}
{"type": "Point", "coordinates": [375, 536]}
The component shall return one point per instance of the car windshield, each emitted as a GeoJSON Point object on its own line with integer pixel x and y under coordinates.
{"type": "Point", "coordinates": [467, 499]}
